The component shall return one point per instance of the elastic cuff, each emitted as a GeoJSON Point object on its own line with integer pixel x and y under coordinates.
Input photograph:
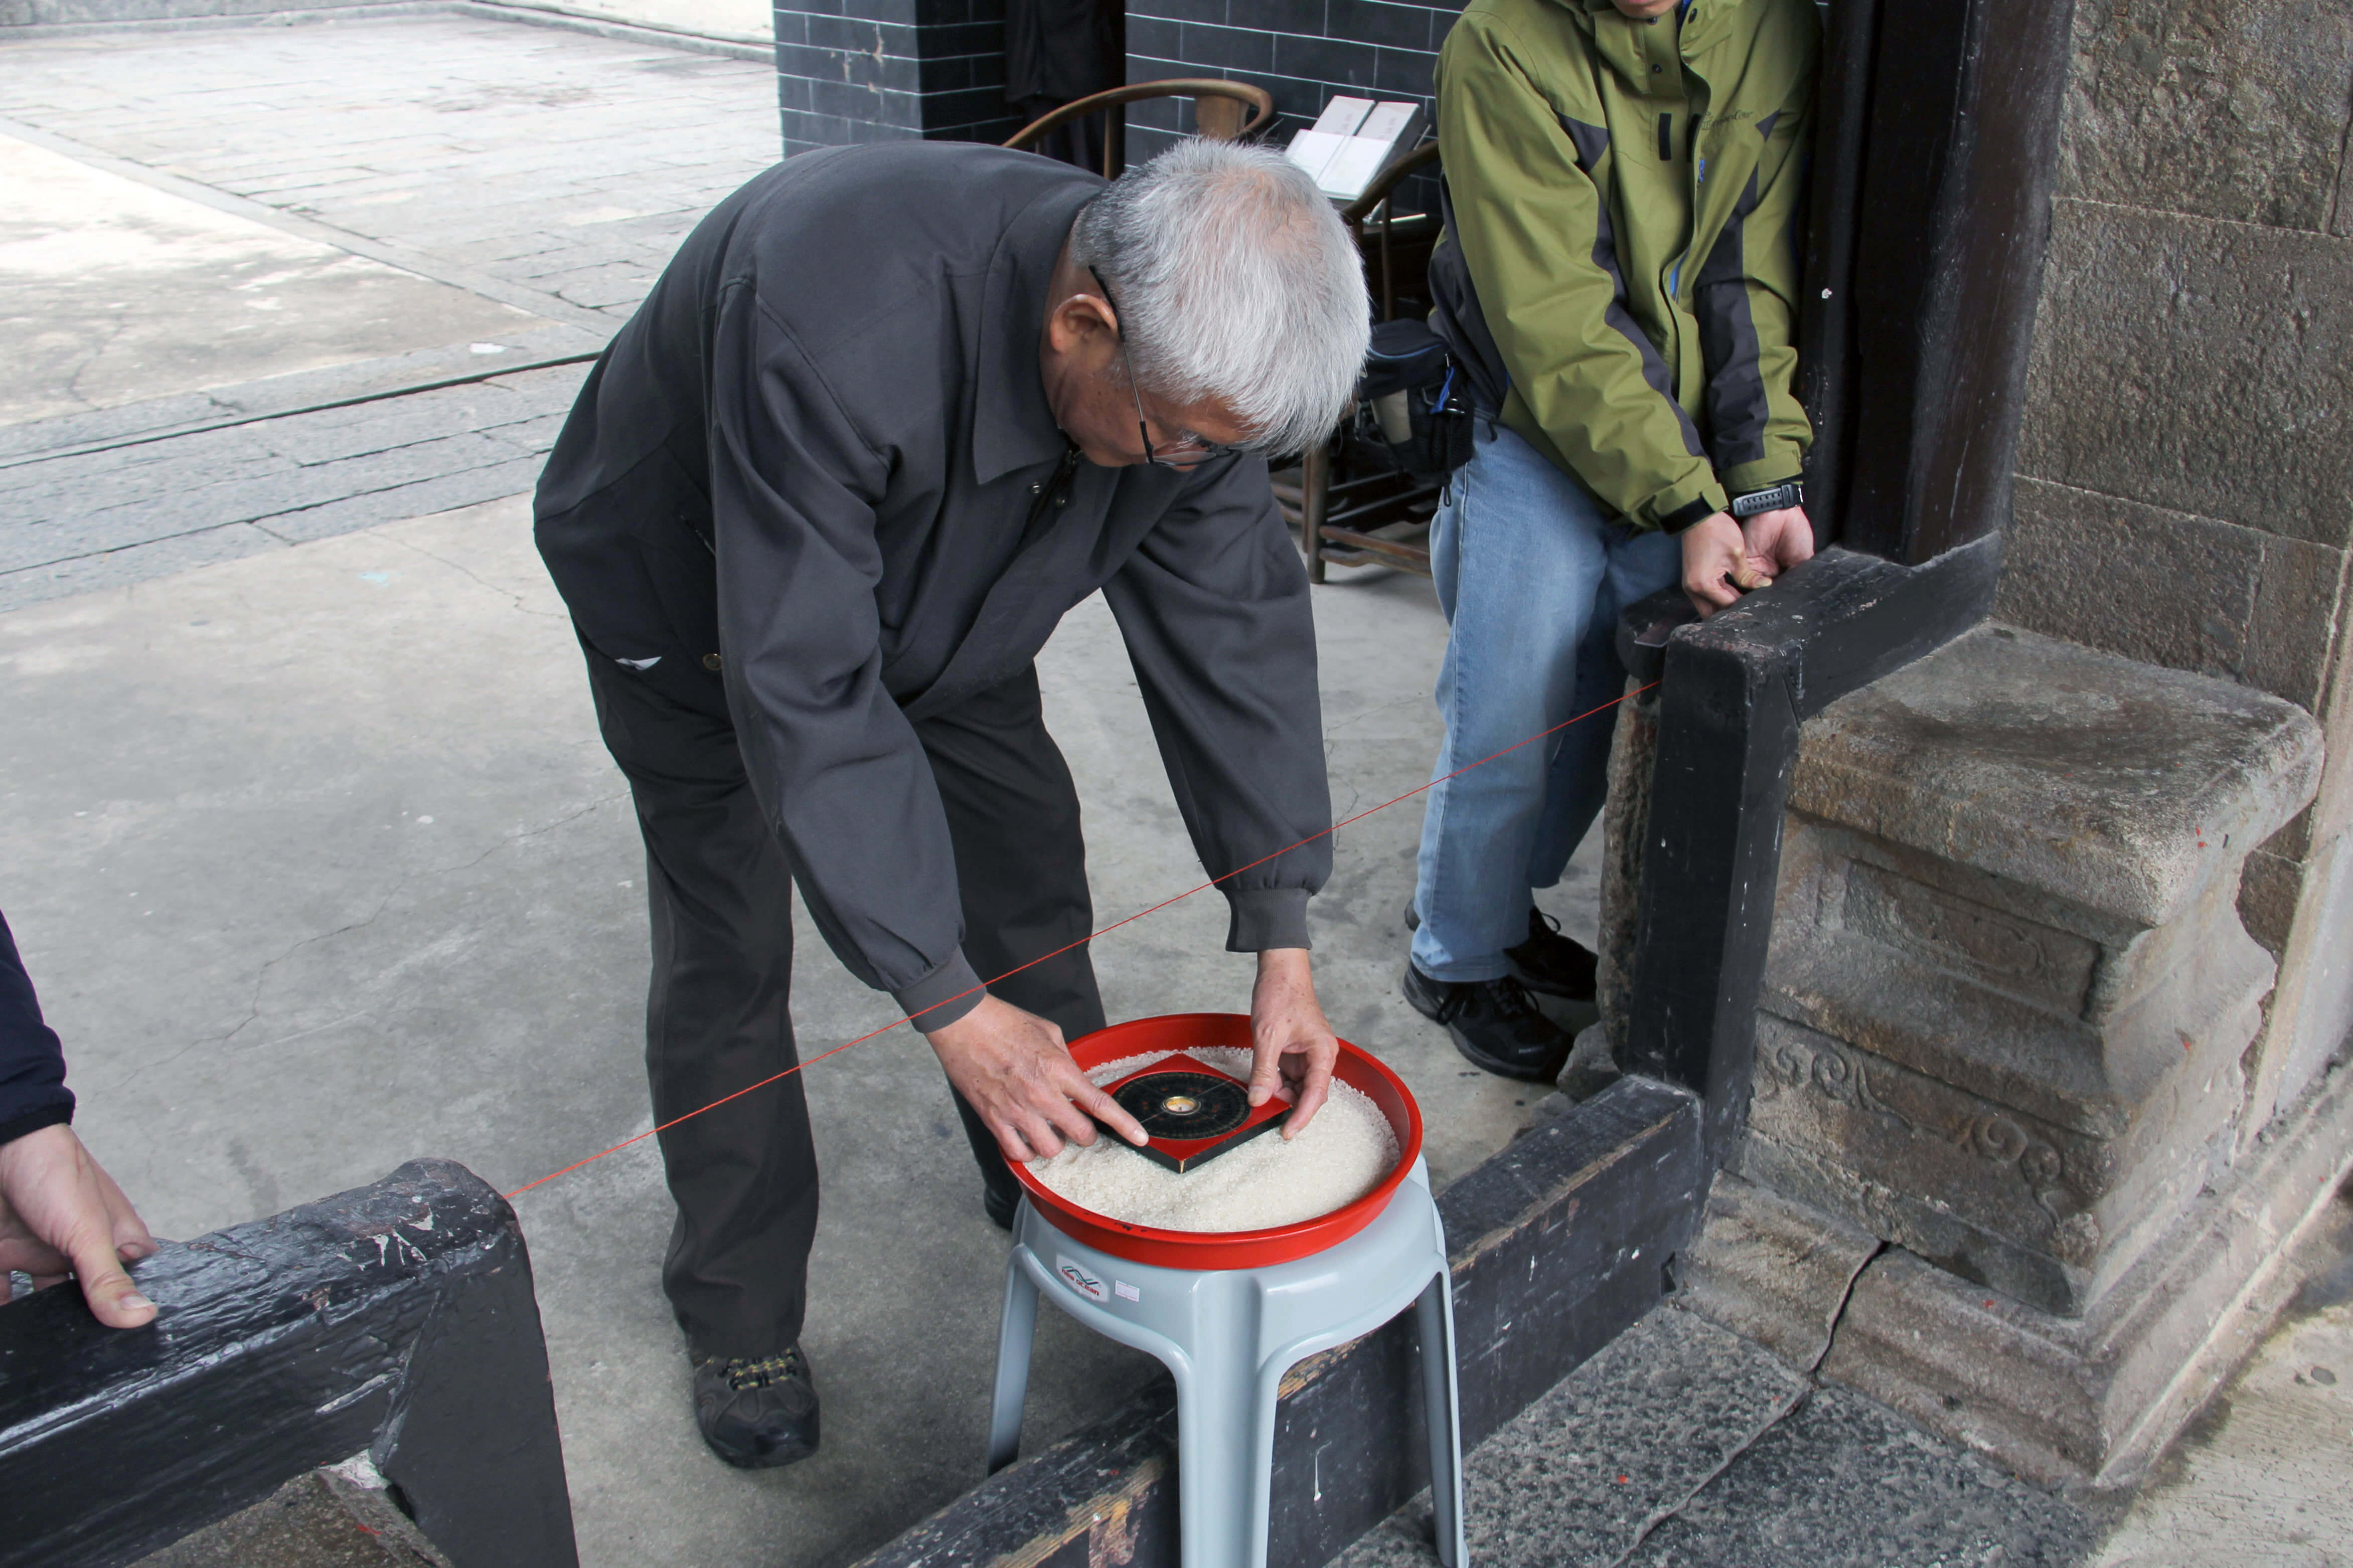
{"type": "Point", "coordinates": [1266, 918]}
{"type": "Point", "coordinates": [1784, 459]}
{"type": "Point", "coordinates": [943, 996]}
{"type": "Point", "coordinates": [1683, 516]}
{"type": "Point", "coordinates": [1750, 478]}
{"type": "Point", "coordinates": [33, 1120]}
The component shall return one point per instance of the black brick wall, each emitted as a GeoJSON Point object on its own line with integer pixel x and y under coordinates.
{"type": "Point", "coordinates": [888, 71]}
{"type": "Point", "coordinates": [877, 70]}
{"type": "Point", "coordinates": [1302, 51]}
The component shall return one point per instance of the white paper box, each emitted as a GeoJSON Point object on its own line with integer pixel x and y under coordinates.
{"type": "Point", "coordinates": [1312, 150]}
{"type": "Point", "coordinates": [1343, 116]}
{"type": "Point", "coordinates": [1352, 167]}
{"type": "Point", "coordinates": [1388, 123]}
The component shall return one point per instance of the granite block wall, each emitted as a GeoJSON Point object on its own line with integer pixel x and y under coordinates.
{"type": "Point", "coordinates": [2185, 486]}
{"type": "Point", "coordinates": [888, 71]}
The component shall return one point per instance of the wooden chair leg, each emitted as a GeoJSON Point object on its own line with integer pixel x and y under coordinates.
{"type": "Point", "coordinates": [1314, 485]}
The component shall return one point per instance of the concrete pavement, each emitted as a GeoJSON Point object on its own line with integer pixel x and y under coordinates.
{"type": "Point", "coordinates": [319, 867]}
{"type": "Point", "coordinates": [309, 840]}
{"type": "Point", "coordinates": [260, 225]}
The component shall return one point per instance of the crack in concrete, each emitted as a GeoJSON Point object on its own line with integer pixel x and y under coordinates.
{"type": "Point", "coordinates": [261, 975]}
{"type": "Point", "coordinates": [1674, 1509]}
{"type": "Point", "coordinates": [90, 361]}
{"type": "Point", "coordinates": [1414, 701]}
{"type": "Point", "coordinates": [1813, 1382]}
{"type": "Point", "coordinates": [462, 570]}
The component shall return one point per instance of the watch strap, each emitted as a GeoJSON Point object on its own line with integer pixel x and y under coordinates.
{"type": "Point", "coordinates": [1790, 492]}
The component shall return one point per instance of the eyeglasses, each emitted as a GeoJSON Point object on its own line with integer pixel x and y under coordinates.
{"type": "Point", "coordinates": [1188, 451]}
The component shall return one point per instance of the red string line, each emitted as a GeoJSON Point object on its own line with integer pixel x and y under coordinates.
{"type": "Point", "coordinates": [1082, 941]}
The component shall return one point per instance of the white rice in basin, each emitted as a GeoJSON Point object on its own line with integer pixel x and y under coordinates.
{"type": "Point", "coordinates": [1345, 1154]}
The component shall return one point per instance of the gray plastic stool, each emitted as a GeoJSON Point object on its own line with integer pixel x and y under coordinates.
{"type": "Point", "coordinates": [1227, 1336]}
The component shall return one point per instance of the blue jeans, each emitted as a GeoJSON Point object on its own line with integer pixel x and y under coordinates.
{"type": "Point", "coordinates": [1531, 575]}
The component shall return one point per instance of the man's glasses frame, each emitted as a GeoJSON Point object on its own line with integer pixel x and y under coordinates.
{"type": "Point", "coordinates": [1191, 451]}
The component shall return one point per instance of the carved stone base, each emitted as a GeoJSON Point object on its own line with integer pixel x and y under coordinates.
{"type": "Point", "coordinates": [2058, 1400]}
{"type": "Point", "coordinates": [2009, 990]}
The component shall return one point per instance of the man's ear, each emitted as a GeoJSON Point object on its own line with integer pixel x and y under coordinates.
{"type": "Point", "coordinates": [1082, 327]}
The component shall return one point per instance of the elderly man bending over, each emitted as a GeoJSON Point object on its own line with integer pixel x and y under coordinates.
{"type": "Point", "coordinates": [888, 413]}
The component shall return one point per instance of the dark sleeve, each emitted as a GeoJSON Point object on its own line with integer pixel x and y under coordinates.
{"type": "Point", "coordinates": [33, 1092]}
{"type": "Point", "coordinates": [1214, 610]}
{"type": "Point", "coordinates": [1746, 301]}
{"type": "Point", "coordinates": [836, 765]}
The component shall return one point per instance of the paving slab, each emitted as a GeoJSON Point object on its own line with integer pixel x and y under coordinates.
{"type": "Point", "coordinates": [297, 477]}
{"type": "Point", "coordinates": [1580, 1474]}
{"type": "Point", "coordinates": [294, 218]}
{"type": "Point", "coordinates": [118, 292]}
{"type": "Point", "coordinates": [1847, 1483]}
{"type": "Point", "coordinates": [426, 134]}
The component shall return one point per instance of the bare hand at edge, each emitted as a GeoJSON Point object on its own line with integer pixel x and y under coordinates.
{"type": "Point", "coordinates": [1012, 1067]}
{"type": "Point", "coordinates": [1291, 1044]}
{"type": "Point", "coordinates": [1723, 557]}
{"type": "Point", "coordinates": [61, 1213]}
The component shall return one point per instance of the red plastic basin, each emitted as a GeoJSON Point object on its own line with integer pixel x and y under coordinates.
{"type": "Point", "coordinates": [1229, 1249]}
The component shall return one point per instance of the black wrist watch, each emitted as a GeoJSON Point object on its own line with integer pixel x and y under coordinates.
{"type": "Point", "coordinates": [1792, 493]}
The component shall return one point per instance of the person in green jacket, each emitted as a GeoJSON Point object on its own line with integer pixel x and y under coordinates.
{"type": "Point", "coordinates": [1618, 283]}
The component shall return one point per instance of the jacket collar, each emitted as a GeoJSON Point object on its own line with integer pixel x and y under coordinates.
{"type": "Point", "coordinates": [1012, 424]}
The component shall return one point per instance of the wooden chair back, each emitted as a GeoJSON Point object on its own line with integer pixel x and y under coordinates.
{"type": "Point", "coordinates": [1222, 110]}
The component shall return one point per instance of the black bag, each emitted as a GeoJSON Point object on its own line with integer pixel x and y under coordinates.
{"type": "Point", "coordinates": [1413, 401]}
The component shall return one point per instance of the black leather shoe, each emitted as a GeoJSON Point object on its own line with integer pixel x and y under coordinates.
{"type": "Point", "coordinates": [1493, 1023]}
{"type": "Point", "coordinates": [757, 1414]}
{"type": "Point", "coordinates": [1550, 962]}
{"type": "Point", "coordinates": [1001, 1203]}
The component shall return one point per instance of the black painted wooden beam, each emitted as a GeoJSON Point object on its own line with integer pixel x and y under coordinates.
{"type": "Point", "coordinates": [1559, 1242]}
{"type": "Point", "coordinates": [1737, 687]}
{"type": "Point", "coordinates": [1826, 338]}
{"type": "Point", "coordinates": [1949, 223]}
{"type": "Point", "coordinates": [395, 1318]}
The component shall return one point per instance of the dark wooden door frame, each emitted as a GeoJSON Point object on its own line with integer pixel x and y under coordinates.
{"type": "Point", "coordinates": [1936, 138]}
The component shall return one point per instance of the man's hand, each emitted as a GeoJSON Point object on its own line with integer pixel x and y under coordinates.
{"type": "Point", "coordinates": [1012, 1067]}
{"type": "Point", "coordinates": [1291, 1044]}
{"type": "Point", "coordinates": [1750, 554]}
{"type": "Point", "coordinates": [60, 1214]}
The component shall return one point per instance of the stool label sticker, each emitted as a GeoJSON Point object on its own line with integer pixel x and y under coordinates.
{"type": "Point", "coordinates": [1079, 1279]}
{"type": "Point", "coordinates": [1127, 1292]}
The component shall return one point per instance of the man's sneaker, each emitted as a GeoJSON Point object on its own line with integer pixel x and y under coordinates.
{"type": "Point", "coordinates": [757, 1412]}
{"type": "Point", "coordinates": [1493, 1023]}
{"type": "Point", "coordinates": [1548, 961]}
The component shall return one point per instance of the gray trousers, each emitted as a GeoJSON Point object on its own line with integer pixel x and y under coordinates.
{"type": "Point", "coordinates": [745, 1176]}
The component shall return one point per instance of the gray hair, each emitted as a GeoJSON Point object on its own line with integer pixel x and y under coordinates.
{"type": "Point", "coordinates": [1234, 279]}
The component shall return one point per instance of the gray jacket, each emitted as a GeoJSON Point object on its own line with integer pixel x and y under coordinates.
{"type": "Point", "coordinates": [821, 449]}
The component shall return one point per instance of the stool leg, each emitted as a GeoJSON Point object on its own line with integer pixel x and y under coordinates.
{"type": "Point", "coordinates": [1442, 1414]}
{"type": "Point", "coordinates": [1225, 1451]}
{"type": "Point", "coordinates": [1014, 1333]}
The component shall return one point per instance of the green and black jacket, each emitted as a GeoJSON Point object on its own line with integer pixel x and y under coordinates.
{"type": "Point", "coordinates": [1620, 269]}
